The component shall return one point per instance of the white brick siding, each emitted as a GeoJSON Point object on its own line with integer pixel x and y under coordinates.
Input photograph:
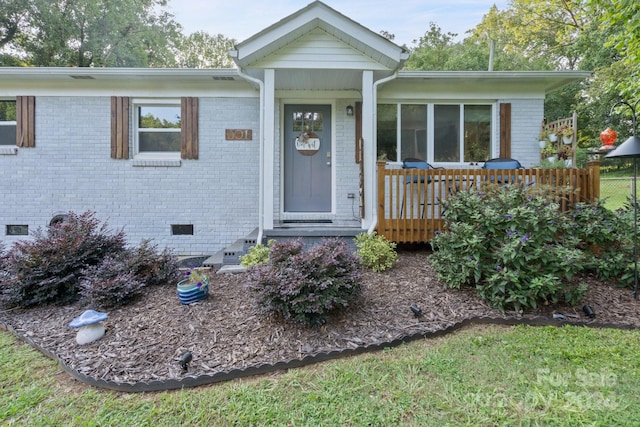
{"type": "Point", "coordinates": [70, 169]}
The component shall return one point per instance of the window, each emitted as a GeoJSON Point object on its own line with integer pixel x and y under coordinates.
{"type": "Point", "coordinates": [446, 133]}
{"type": "Point", "coordinates": [158, 128]}
{"type": "Point", "coordinates": [7, 122]}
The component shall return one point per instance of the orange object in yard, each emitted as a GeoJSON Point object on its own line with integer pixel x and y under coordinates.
{"type": "Point", "coordinates": [608, 136]}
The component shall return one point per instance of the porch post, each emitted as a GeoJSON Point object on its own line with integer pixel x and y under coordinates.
{"type": "Point", "coordinates": [269, 146]}
{"type": "Point", "coordinates": [368, 148]}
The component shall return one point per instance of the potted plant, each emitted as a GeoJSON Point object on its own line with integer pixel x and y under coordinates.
{"type": "Point", "coordinates": [566, 132]}
{"type": "Point", "coordinates": [542, 139]}
{"type": "Point", "coordinates": [565, 154]}
{"type": "Point", "coordinates": [553, 137]}
{"type": "Point", "coordinates": [549, 152]}
{"type": "Point", "coordinates": [194, 287]}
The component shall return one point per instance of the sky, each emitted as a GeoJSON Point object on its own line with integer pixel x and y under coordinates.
{"type": "Point", "coordinates": [407, 19]}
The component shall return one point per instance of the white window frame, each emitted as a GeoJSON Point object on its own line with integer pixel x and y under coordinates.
{"type": "Point", "coordinates": [155, 155]}
{"type": "Point", "coordinates": [13, 123]}
{"type": "Point", "coordinates": [431, 128]}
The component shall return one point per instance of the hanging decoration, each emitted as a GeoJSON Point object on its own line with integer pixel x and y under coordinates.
{"type": "Point", "coordinates": [307, 143]}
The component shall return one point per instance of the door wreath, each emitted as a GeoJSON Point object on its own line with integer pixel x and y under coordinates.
{"type": "Point", "coordinates": [307, 143]}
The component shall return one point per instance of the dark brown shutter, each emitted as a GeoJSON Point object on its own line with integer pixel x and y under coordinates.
{"type": "Point", "coordinates": [189, 129]}
{"type": "Point", "coordinates": [358, 132]}
{"type": "Point", "coordinates": [505, 130]}
{"type": "Point", "coordinates": [119, 127]}
{"type": "Point", "coordinates": [26, 121]}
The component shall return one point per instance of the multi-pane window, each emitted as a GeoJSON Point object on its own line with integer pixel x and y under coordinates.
{"type": "Point", "coordinates": [158, 128]}
{"type": "Point", "coordinates": [445, 133]}
{"type": "Point", "coordinates": [7, 122]}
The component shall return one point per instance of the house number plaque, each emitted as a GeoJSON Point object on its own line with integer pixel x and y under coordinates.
{"type": "Point", "coordinates": [238, 134]}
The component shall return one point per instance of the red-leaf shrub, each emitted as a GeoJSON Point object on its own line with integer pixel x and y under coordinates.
{"type": "Point", "coordinates": [305, 286]}
{"type": "Point", "coordinates": [51, 267]}
{"type": "Point", "coordinates": [47, 269]}
{"type": "Point", "coordinates": [109, 285]}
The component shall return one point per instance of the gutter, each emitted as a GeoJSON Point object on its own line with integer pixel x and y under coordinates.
{"type": "Point", "coordinates": [374, 222]}
{"type": "Point", "coordinates": [260, 84]}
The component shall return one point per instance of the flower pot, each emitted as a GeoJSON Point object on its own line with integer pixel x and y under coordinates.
{"type": "Point", "coordinates": [567, 139]}
{"type": "Point", "coordinates": [553, 137]}
{"type": "Point", "coordinates": [191, 292]}
{"type": "Point", "coordinates": [542, 143]}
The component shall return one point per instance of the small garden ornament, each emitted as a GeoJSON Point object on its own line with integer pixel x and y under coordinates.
{"type": "Point", "coordinates": [90, 326]}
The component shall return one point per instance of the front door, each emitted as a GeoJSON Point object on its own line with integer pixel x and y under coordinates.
{"type": "Point", "coordinates": [307, 158]}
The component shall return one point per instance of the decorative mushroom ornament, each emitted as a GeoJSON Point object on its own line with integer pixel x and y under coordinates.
{"type": "Point", "coordinates": [90, 326]}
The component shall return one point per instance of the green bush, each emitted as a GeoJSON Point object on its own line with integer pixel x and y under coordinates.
{"type": "Point", "coordinates": [258, 254]}
{"type": "Point", "coordinates": [375, 251]}
{"type": "Point", "coordinates": [305, 286]}
{"type": "Point", "coordinates": [513, 245]}
{"type": "Point", "coordinates": [607, 238]}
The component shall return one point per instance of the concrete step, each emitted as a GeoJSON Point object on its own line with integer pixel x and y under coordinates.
{"type": "Point", "coordinates": [313, 235]}
{"type": "Point", "coordinates": [227, 260]}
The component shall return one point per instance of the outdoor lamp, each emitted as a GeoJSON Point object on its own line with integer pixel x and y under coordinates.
{"type": "Point", "coordinates": [349, 110]}
{"type": "Point", "coordinates": [631, 149]}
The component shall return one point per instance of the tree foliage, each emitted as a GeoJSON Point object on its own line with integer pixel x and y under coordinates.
{"type": "Point", "coordinates": [202, 50]}
{"type": "Point", "coordinates": [82, 33]}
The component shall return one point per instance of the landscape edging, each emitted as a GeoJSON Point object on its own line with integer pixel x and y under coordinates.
{"type": "Point", "coordinates": [187, 382]}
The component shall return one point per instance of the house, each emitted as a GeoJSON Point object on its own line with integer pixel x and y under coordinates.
{"type": "Point", "coordinates": [286, 142]}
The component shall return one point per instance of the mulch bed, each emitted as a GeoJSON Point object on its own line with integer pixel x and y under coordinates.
{"type": "Point", "coordinates": [144, 341]}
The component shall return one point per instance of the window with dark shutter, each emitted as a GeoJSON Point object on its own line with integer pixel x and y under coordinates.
{"type": "Point", "coordinates": [119, 127]}
{"type": "Point", "coordinates": [505, 130]}
{"type": "Point", "coordinates": [189, 129]}
{"type": "Point", "coordinates": [26, 121]}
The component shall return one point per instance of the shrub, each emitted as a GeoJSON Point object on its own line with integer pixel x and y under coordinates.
{"type": "Point", "coordinates": [150, 266]}
{"type": "Point", "coordinates": [48, 268]}
{"type": "Point", "coordinates": [305, 286]}
{"type": "Point", "coordinates": [512, 244]}
{"type": "Point", "coordinates": [375, 251]}
{"type": "Point", "coordinates": [607, 238]}
{"type": "Point", "coordinates": [258, 254]}
{"type": "Point", "coordinates": [58, 264]}
{"type": "Point", "coordinates": [110, 284]}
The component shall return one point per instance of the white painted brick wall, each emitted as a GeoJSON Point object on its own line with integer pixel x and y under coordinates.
{"type": "Point", "coordinates": [70, 169]}
{"type": "Point", "coordinates": [526, 118]}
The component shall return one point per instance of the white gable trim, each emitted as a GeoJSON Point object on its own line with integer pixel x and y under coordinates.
{"type": "Point", "coordinates": [318, 15]}
{"type": "Point", "coordinates": [319, 50]}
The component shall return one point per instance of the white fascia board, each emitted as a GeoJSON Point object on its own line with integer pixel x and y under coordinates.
{"type": "Point", "coordinates": [547, 81]}
{"type": "Point", "coordinates": [80, 73]}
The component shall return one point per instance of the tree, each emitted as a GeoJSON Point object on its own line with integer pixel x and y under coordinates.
{"type": "Point", "coordinates": [201, 50]}
{"type": "Point", "coordinates": [99, 33]}
{"type": "Point", "coordinates": [432, 51]}
{"type": "Point", "coordinates": [622, 21]}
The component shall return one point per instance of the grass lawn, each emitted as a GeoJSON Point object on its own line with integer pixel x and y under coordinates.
{"type": "Point", "coordinates": [486, 375]}
{"type": "Point", "coordinates": [616, 191]}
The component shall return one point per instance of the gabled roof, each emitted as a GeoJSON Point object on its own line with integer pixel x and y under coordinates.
{"type": "Point", "coordinates": [317, 21]}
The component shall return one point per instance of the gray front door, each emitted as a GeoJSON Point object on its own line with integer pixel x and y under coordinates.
{"type": "Point", "coordinates": [307, 158]}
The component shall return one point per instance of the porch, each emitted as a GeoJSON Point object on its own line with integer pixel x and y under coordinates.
{"type": "Point", "coordinates": [410, 201]}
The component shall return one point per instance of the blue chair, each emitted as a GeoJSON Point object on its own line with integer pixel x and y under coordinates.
{"type": "Point", "coordinates": [413, 163]}
{"type": "Point", "coordinates": [502, 163]}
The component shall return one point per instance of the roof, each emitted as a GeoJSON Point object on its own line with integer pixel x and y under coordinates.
{"type": "Point", "coordinates": [318, 16]}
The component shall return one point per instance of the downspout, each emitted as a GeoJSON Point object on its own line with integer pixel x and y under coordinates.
{"type": "Point", "coordinates": [260, 84]}
{"type": "Point", "coordinates": [374, 222]}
